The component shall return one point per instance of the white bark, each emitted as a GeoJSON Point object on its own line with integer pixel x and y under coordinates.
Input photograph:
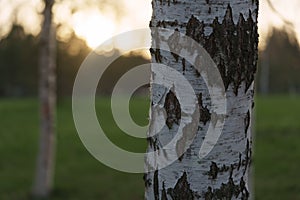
{"type": "Point", "coordinates": [223, 173]}
{"type": "Point", "coordinates": [47, 94]}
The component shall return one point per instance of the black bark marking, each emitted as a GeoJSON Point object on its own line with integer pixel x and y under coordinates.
{"type": "Point", "coordinates": [168, 2]}
{"type": "Point", "coordinates": [213, 171]}
{"type": "Point", "coordinates": [182, 189]}
{"type": "Point", "coordinates": [164, 23]}
{"type": "Point", "coordinates": [173, 110]}
{"type": "Point", "coordinates": [153, 143]}
{"type": "Point", "coordinates": [155, 185]}
{"type": "Point", "coordinates": [247, 122]}
{"type": "Point", "coordinates": [156, 54]}
{"type": "Point", "coordinates": [195, 29]}
{"type": "Point", "coordinates": [147, 181]}
{"type": "Point", "coordinates": [183, 66]}
{"type": "Point", "coordinates": [248, 156]}
{"type": "Point", "coordinates": [228, 191]}
{"type": "Point", "coordinates": [243, 189]}
{"type": "Point", "coordinates": [180, 157]}
{"type": "Point", "coordinates": [233, 47]}
{"type": "Point", "coordinates": [209, 194]}
{"type": "Point", "coordinates": [240, 161]}
{"type": "Point", "coordinates": [164, 193]}
{"type": "Point", "coordinates": [175, 56]}
{"type": "Point", "coordinates": [205, 115]}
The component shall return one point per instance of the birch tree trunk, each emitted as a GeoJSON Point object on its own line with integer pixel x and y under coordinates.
{"type": "Point", "coordinates": [47, 95]}
{"type": "Point", "coordinates": [227, 29]}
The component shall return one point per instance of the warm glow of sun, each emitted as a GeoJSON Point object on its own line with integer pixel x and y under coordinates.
{"type": "Point", "coordinates": [93, 27]}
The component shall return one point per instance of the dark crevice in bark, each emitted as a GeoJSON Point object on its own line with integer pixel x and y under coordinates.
{"type": "Point", "coordinates": [168, 2]}
{"type": "Point", "coordinates": [228, 191]}
{"type": "Point", "coordinates": [214, 169]}
{"type": "Point", "coordinates": [248, 153]}
{"type": "Point", "coordinates": [182, 189]}
{"type": "Point", "coordinates": [164, 193]}
{"type": "Point", "coordinates": [195, 30]}
{"type": "Point", "coordinates": [240, 161]}
{"type": "Point", "coordinates": [155, 185]}
{"type": "Point", "coordinates": [156, 54]}
{"type": "Point", "coordinates": [183, 66]}
{"type": "Point", "coordinates": [233, 47]}
{"type": "Point", "coordinates": [247, 122]}
{"type": "Point", "coordinates": [147, 180]}
{"type": "Point", "coordinates": [153, 143]}
{"type": "Point", "coordinates": [164, 23]}
{"type": "Point", "coordinates": [205, 115]}
{"type": "Point", "coordinates": [172, 107]}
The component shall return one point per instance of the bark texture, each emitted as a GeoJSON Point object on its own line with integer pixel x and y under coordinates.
{"type": "Point", "coordinates": [47, 95]}
{"type": "Point", "coordinates": [227, 29]}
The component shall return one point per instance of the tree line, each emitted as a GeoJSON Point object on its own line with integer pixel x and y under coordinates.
{"type": "Point", "coordinates": [19, 64]}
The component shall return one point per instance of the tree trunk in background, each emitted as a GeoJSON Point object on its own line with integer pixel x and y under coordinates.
{"type": "Point", "coordinates": [47, 94]}
{"type": "Point", "coordinates": [227, 29]}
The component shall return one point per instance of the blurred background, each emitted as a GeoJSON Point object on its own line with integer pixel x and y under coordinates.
{"type": "Point", "coordinates": [82, 25]}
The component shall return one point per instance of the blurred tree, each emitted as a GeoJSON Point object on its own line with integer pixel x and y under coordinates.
{"type": "Point", "coordinates": [47, 93]}
{"type": "Point", "coordinates": [228, 32]}
{"type": "Point", "coordinates": [71, 54]}
{"type": "Point", "coordinates": [19, 66]}
{"type": "Point", "coordinates": [18, 63]}
{"type": "Point", "coordinates": [282, 55]}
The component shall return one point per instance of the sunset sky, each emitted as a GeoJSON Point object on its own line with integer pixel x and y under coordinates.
{"type": "Point", "coordinates": [96, 22]}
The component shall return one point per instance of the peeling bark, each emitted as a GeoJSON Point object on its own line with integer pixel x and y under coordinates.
{"type": "Point", "coordinates": [227, 29]}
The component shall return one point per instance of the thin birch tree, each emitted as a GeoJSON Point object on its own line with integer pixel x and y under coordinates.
{"type": "Point", "coordinates": [47, 96]}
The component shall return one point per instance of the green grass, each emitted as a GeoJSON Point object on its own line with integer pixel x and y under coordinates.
{"type": "Point", "coordinates": [277, 148]}
{"type": "Point", "coordinates": [80, 176]}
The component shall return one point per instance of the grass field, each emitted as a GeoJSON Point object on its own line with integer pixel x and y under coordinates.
{"type": "Point", "coordinates": [80, 176]}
